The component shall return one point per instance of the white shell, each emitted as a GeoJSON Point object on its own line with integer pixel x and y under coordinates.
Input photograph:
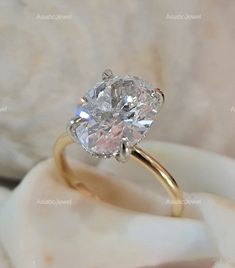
{"type": "Point", "coordinates": [126, 228]}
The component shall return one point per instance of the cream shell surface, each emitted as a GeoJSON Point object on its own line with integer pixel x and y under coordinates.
{"type": "Point", "coordinates": [124, 222]}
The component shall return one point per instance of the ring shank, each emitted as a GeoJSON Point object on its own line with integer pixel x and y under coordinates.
{"type": "Point", "coordinates": [138, 154]}
{"type": "Point", "coordinates": [162, 176]}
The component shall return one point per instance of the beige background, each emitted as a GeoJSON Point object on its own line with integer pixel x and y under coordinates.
{"type": "Point", "coordinates": [47, 63]}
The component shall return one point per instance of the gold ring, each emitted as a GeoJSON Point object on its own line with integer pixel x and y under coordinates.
{"type": "Point", "coordinates": [111, 119]}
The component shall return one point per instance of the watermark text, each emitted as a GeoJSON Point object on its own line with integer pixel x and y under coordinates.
{"type": "Point", "coordinates": [183, 16]}
{"type": "Point", "coordinates": [54, 202]}
{"type": "Point", "coordinates": [54, 16]}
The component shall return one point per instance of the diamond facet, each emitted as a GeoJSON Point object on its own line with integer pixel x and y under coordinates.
{"type": "Point", "coordinates": [118, 108]}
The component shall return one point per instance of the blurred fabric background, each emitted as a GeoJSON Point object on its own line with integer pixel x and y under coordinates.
{"type": "Point", "coordinates": [53, 51]}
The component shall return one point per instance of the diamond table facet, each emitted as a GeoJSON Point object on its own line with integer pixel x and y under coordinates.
{"type": "Point", "coordinates": [122, 107]}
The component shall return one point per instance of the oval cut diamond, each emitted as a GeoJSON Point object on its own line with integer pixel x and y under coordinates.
{"type": "Point", "coordinates": [115, 109]}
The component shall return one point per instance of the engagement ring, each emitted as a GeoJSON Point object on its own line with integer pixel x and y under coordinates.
{"type": "Point", "coordinates": [110, 121]}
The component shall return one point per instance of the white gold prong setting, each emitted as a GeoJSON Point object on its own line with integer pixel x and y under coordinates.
{"type": "Point", "coordinates": [82, 100]}
{"type": "Point", "coordinates": [72, 125]}
{"type": "Point", "coordinates": [124, 153]}
{"type": "Point", "coordinates": [158, 92]}
{"type": "Point", "coordinates": [107, 74]}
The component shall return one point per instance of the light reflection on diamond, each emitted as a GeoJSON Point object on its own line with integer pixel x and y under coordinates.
{"type": "Point", "coordinates": [121, 107]}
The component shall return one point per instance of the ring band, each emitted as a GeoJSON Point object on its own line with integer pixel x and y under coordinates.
{"type": "Point", "coordinates": [138, 154]}
{"type": "Point", "coordinates": [111, 119]}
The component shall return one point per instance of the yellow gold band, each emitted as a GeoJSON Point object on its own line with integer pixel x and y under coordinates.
{"type": "Point", "coordinates": [138, 154]}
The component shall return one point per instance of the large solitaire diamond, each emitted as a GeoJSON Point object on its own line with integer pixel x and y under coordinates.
{"type": "Point", "coordinates": [116, 109]}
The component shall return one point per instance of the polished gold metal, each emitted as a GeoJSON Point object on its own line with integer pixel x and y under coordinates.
{"type": "Point", "coordinates": [138, 154]}
{"type": "Point", "coordinates": [163, 176]}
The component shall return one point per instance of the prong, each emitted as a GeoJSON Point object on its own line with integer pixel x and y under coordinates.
{"type": "Point", "coordinates": [72, 125]}
{"type": "Point", "coordinates": [107, 74]}
{"type": "Point", "coordinates": [124, 153]}
{"type": "Point", "coordinates": [159, 91]}
{"type": "Point", "coordinates": [82, 100]}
